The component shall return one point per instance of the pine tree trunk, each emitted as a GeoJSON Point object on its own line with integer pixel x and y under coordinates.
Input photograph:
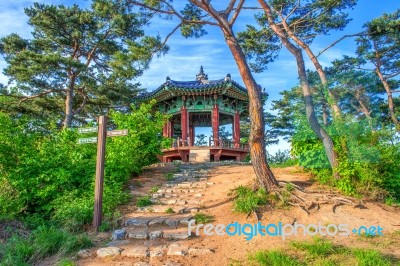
{"type": "Point", "coordinates": [265, 177]}
{"type": "Point", "coordinates": [321, 73]}
{"type": "Point", "coordinates": [386, 86]}
{"type": "Point", "coordinates": [69, 103]}
{"type": "Point", "coordinates": [310, 113]}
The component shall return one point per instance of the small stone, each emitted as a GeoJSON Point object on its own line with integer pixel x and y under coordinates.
{"type": "Point", "coordinates": [84, 254]}
{"type": "Point", "coordinates": [139, 251]}
{"type": "Point", "coordinates": [170, 195]}
{"type": "Point", "coordinates": [119, 234]}
{"type": "Point", "coordinates": [159, 220]}
{"type": "Point", "coordinates": [169, 190]}
{"type": "Point", "coordinates": [177, 250]}
{"type": "Point", "coordinates": [210, 183]}
{"type": "Point", "coordinates": [172, 222]}
{"type": "Point", "coordinates": [192, 190]}
{"type": "Point", "coordinates": [118, 243]}
{"type": "Point", "coordinates": [186, 220]}
{"type": "Point", "coordinates": [155, 235]}
{"type": "Point", "coordinates": [176, 234]}
{"type": "Point", "coordinates": [194, 210]}
{"type": "Point", "coordinates": [138, 233]}
{"type": "Point", "coordinates": [141, 263]}
{"type": "Point", "coordinates": [161, 191]}
{"type": "Point", "coordinates": [158, 195]}
{"type": "Point", "coordinates": [198, 195]}
{"type": "Point", "coordinates": [172, 201]}
{"type": "Point", "coordinates": [109, 251]}
{"type": "Point", "coordinates": [171, 263]}
{"type": "Point", "coordinates": [137, 221]}
{"type": "Point", "coordinates": [181, 202]}
{"type": "Point", "coordinates": [157, 251]}
{"type": "Point", "coordinates": [200, 251]}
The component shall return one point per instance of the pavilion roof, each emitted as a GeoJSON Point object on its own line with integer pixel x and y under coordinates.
{"type": "Point", "coordinates": [200, 86]}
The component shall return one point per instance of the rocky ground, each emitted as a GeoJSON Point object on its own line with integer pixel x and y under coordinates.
{"type": "Point", "coordinates": [158, 234]}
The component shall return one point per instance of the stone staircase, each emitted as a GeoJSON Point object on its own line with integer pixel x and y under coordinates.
{"type": "Point", "coordinates": [161, 229]}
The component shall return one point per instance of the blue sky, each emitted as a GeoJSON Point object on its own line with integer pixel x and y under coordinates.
{"type": "Point", "coordinates": [186, 55]}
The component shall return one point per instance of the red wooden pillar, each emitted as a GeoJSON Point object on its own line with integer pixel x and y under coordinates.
{"type": "Point", "coordinates": [191, 135]}
{"type": "Point", "coordinates": [236, 130]}
{"type": "Point", "coordinates": [215, 124]}
{"type": "Point", "coordinates": [184, 123]}
{"type": "Point", "coordinates": [165, 130]}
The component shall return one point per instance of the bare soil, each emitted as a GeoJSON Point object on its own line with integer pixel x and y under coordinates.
{"type": "Point", "coordinates": [229, 249]}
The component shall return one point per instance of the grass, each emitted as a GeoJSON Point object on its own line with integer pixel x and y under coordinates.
{"type": "Point", "coordinates": [273, 258]}
{"type": "Point", "coordinates": [154, 189]}
{"type": "Point", "coordinates": [169, 177]}
{"type": "Point", "coordinates": [320, 252]}
{"type": "Point", "coordinates": [368, 257]}
{"type": "Point", "coordinates": [43, 242]}
{"type": "Point", "coordinates": [247, 200]}
{"type": "Point", "coordinates": [143, 201]}
{"type": "Point", "coordinates": [169, 210]}
{"type": "Point", "coordinates": [202, 218]}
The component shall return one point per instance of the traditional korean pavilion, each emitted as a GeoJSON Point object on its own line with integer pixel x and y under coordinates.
{"type": "Point", "coordinates": [201, 103]}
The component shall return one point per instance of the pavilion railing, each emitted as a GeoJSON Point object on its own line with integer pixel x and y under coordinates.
{"type": "Point", "coordinates": [211, 143]}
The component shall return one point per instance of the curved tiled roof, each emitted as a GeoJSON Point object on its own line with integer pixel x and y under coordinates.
{"type": "Point", "coordinates": [196, 86]}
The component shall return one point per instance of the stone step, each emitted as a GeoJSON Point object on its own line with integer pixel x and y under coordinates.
{"type": "Point", "coordinates": [143, 250]}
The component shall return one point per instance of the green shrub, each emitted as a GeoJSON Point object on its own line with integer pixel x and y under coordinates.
{"type": "Point", "coordinates": [154, 189]}
{"type": "Point", "coordinates": [169, 211]}
{"type": "Point", "coordinates": [202, 218]}
{"type": "Point", "coordinates": [43, 242]}
{"type": "Point", "coordinates": [169, 177]}
{"type": "Point", "coordinates": [143, 201]}
{"type": "Point", "coordinates": [247, 200]}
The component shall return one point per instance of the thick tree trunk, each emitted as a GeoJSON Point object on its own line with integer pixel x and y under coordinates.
{"type": "Point", "coordinates": [69, 104]}
{"type": "Point", "coordinates": [310, 113]}
{"type": "Point", "coordinates": [68, 109]}
{"type": "Point", "coordinates": [265, 177]}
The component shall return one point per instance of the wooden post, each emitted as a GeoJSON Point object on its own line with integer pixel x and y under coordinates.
{"type": "Point", "coordinates": [236, 130]}
{"type": "Point", "coordinates": [98, 190]}
{"type": "Point", "coordinates": [215, 124]}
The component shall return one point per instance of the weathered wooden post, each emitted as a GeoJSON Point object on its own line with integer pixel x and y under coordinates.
{"type": "Point", "coordinates": [98, 190]}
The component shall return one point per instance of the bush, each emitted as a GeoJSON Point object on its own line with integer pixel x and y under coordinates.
{"type": "Point", "coordinates": [143, 201]}
{"type": "Point", "coordinates": [43, 242]}
{"type": "Point", "coordinates": [46, 172]}
{"type": "Point", "coordinates": [247, 200]}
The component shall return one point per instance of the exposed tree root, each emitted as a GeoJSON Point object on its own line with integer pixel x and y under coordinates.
{"type": "Point", "coordinates": [310, 200]}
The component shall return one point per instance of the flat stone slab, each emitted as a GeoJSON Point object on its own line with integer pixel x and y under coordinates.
{"type": "Point", "coordinates": [176, 234]}
{"type": "Point", "coordinates": [119, 234]}
{"type": "Point", "coordinates": [137, 221]}
{"type": "Point", "coordinates": [155, 235]}
{"type": "Point", "coordinates": [157, 251]}
{"type": "Point", "coordinates": [177, 250]}
{"type": "Point", "coordinates": [185, 220]}
{"type": "Point", "coordinates": [172, 221]}
{"type": "Point", "coordinates": [138, 251]}
{"type": "Point", "coordinates": [118, 243]}
{"type": "Point", "coordinates": [84, 254]}
{"type": "Point", "coordinates": [158, 220]}
{"type": "Point", "coordinates": [109, 251]}
{"type": "Point", "coordinates": [141, 263]}
{"type": "Point", "coordinates": [200, 251]}
{"type": "Point", "coordinates": [138, 233]}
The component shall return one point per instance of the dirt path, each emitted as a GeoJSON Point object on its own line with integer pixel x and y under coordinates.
{"type": "Point", "coordinates": [227, 249]}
